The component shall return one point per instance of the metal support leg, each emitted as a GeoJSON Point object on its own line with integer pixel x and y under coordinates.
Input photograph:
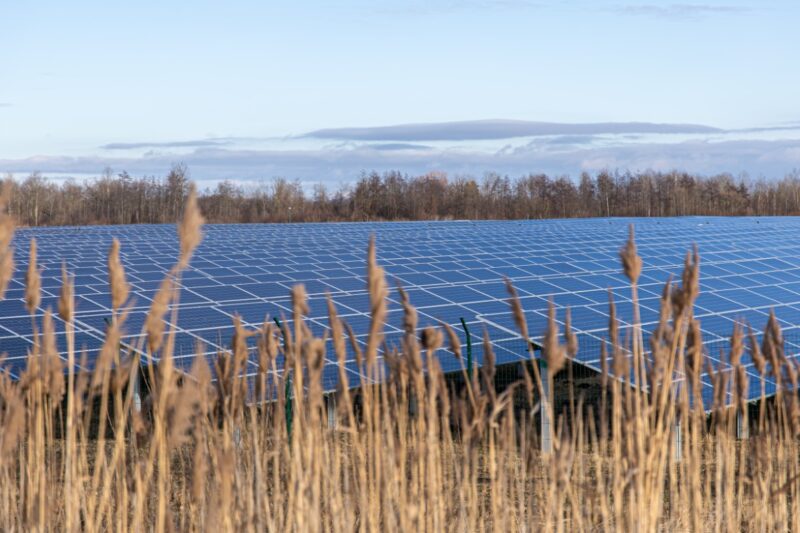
{"type": "Point", "coordinates": [137, 393]}
{"type": "Point", "coordinates": [330, 405]}
{"type": "Point", "coordinates": [742, 431]}
{"type": "Point", "coordinates": [546, 437]}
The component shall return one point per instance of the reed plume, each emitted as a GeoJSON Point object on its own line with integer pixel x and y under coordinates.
{"type": "Point", "coordinates": [116, 278]}
{"type": "Point", "coordinates": [190, 231]}
{"type": "Point", "coordinates": [33, 281]}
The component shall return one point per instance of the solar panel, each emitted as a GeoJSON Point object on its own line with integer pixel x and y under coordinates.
{"type": "Point", "coordinates": [449, 269]}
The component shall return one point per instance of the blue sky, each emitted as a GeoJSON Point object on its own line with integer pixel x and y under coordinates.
{"type": "Point", "coordinates": [235, 88]}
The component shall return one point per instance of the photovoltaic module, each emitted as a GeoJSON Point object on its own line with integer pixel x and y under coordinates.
{"type": "Point", "coordinates": [451, 270]}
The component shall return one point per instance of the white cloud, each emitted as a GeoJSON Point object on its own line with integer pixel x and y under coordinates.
{"type": "Point", "coordinates": [499, 129]}
{"type": "Point", "coordinates": [770, 158]}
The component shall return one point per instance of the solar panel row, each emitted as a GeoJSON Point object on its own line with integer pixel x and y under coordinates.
{"type": "Point", "coordinates": [450, 270]}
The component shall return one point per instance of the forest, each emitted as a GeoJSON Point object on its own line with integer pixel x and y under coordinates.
{"type": "Point", "coordinates": [123, 199]}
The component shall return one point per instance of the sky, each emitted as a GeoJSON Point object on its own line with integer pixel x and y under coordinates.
{"type": "Point", "coordinates": [321, 91]}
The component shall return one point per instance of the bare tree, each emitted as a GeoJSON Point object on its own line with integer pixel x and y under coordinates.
{"type": "Point", "coordinates": [123, 199]}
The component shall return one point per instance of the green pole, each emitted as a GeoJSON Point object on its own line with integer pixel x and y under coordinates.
{"type": "Point", "coordinates": [280, 327]}
{"type": "Point", "coordinates": [469, 349]}
{"type": "Point", "coordinates": [289, 414]}
{"type": "Point", "coordinates": [288, 391]}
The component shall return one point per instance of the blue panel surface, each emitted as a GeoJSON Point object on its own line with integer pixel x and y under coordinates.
{"type": "Point", "coordinates": [450, 270]}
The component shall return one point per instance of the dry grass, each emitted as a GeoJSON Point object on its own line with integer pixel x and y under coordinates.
{"type": "Point", "coordinates": [409, 455]}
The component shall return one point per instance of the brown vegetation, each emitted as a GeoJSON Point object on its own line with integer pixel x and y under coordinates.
{"type": "Point", "coordinates": [413, 454]}
{"type": "Point", "coordinates": [123, 199]}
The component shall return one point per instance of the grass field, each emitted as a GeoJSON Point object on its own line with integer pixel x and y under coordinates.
{"type": "Point", "coordinates": [78, 453]}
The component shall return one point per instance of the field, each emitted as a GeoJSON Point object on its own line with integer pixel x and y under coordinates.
{"type": "Point", "coordinates": [79, 452]}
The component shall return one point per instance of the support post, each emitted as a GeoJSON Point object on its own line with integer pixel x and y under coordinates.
{"type": "Point", "coordinates": [288, 397]}
{"type": "Point", "coordinates": [137, 391]}
{"type": "Point", "coordinates": [546, 427]}
{"type": "Point", "coordinates": [280, 328]}
{"type": "Point", "coordinates": [330, 405]}
{"type": "Point", "coordinates": [677, 440]}
{"type": "Point", "coordinates": [288, 389]}
{"type": "Point", "coordinates": [469, 349]}
{"type": "Point", "coordinates": [742, 429]}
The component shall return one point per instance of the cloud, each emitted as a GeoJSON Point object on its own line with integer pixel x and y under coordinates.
{"type": "Point", "coordinates": [510, 147]}
{"type": "Point", "coordinates": [789, 126]}
{"type": "Point", "coordinates": [571, 140]}
{"type": "Point", "coordinates": [6, 104]}
{"type": "Point", "coordinates": [678, 10]}
{"type": "Point", "coordinates": [497, 129]}
{"type": "Point", "coordinates": [398, 146]}
{"type": "Point", "coordinates": [202, 143]}
{"type": "Point", "coordinates": [771, 159]}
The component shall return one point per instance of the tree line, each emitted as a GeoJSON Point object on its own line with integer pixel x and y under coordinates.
{"type": "Point", "coordinates": [124, 199]}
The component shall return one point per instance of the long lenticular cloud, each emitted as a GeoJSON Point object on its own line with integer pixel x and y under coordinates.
{"type": "Point", "coordinates": [473, 130]}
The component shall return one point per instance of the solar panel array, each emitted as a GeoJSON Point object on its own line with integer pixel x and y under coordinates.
{"type": "Point", "coordinates": [450, 270]}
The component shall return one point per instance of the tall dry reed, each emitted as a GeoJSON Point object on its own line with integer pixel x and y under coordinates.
{"type": "Point", "coordinates": [403, 448]}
